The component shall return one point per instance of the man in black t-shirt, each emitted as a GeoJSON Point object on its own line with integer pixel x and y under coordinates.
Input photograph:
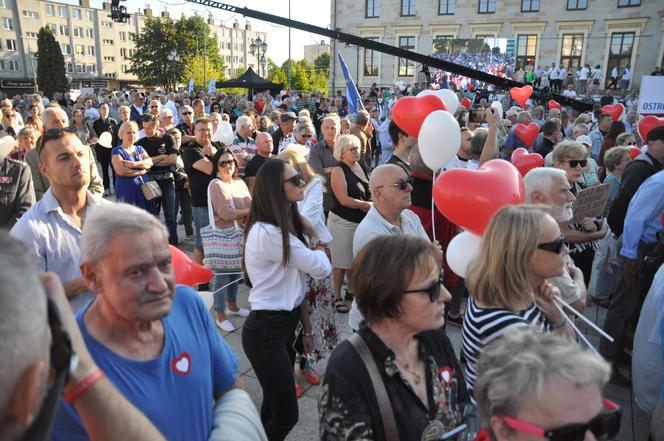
{"type": "Point", "coordinates": [403, 144]}
{"type": "Point", "coordinates": [186, 126]}
{"type": "Point", "coordinates": [263, 153]}
{"type": "Point", "coordinates": [163, 153]}
{"type": "Point", "coordinates": [319, 114]}
{"type": "Point", "coordinates": [101, 125]}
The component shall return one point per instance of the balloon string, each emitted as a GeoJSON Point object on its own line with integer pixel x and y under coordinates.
{"type": "Point", "coordinates": [433, 208]}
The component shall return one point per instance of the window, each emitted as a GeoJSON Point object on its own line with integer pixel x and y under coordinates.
{"type": "Point", "coordinates": [442, 44]}
{"type": "Point", "coordinates": [526, 47]}
{"type": "Point", "coordinates": [76, 14]}
{"type": "Point", "coordinates": [572, 48]}
{"type": "Point", "coordinates": [372, 8]}
{"type": "Point", "coordinates": [628, 3]}
{"type": "Point", "coordinates": [620, 51]}
{"type": "Point", "coordinates": [53, 28]}
{"type": "Point", "coordinates": [10, 45]}
{"type": "Point", "coordinates": [13, 65]}
{"type": "Point", "coordinates": [80, 68]}
{"type": "Point", "coordinates": [70, 68]}
{"type": "Point", "coordinates": [132, 36]}
{"type": "Point", "coordinates": [65, 49]}
{"type": "Point", "coordinates": [123, 52]}
{"type": "Point", "coordinates": [50, 10]}
{"type": "Point", "coordinates": [64, 30]}
{"type": "Point", "coordinates": [109, 59]}
{"type": "Point", "coordinates": [107, 24]}
{"type": "Point", "coordinates": [132, 52]}
{"type": "Point", "coordinates": [62, 11]}
{"type": "Point", "coordinates": [228, 45]}
{"type": "Point", "coordinates": [530, 5]}
{"type": "Point", "coordinates": [123, 36]}
{"type": "Point", "coordinates": [2, 65]}
{"type": "Point", "coordinates": [446, 7]}
{"type": "Point", "coordinates": [370, 61]}
{"type": "Point", "coordinates": [487, 7]}
{"type": "Point", "coordinates": [8, 24]}
{"type": "Point", "coordinates": [4, 4]}
{"type": "Point", "coordinates": [80, 49]}
{"type": "Point", "coordinates": [406, 67]}
{"type": "Point", "coordinates": [31, 35]}
{"type": "Point", "coordinates": [408, 7]}
{"type": "Point", "coordinates": [108, 42]}
{"type": "Point", "coordinates": [577, 5]}
{"type": "Point", "coordinates": [89, 34]}
{"type": "Point", "coordinates": [89, 15]}
{"type": "Point", "coordinates": [92, 68]}
{"type": "Point", "coordinates": [91, 51]}
{"type": "Point", "coordinates": [78, 32]}
{"type": "Point", "coordinates": [124, 68]}
{"type": "Point", "coordinates": [30, 14]}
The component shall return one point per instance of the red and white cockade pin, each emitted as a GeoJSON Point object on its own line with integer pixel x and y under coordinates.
{"type": "Point", "coordinates": [181, 365]}
{"type": "Point", "coordinates": [445, 374]}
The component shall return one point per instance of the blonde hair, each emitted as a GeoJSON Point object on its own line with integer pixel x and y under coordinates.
{"type": "Point", "coordinates": [567, 149]}
{"type": "Point", "coordinates": [500, 274]}
{"type": "Point", "coordinates": [125, 126]}
{"type": "Point", "coordinates": [304, 127]}
{"type": "Point", "coordinates": [343, 143]}
{"type": "Point", "coordinates": [292, 156]}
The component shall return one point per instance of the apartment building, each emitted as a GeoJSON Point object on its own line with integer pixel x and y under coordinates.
{"type": "Point", "coordinates": [313, 51]}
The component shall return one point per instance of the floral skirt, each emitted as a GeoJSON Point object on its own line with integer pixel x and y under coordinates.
{"type": "Point", "coordinates": [322, 315]}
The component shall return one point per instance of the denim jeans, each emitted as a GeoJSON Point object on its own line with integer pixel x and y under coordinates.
{"type": "Point", "coordinates": [267, 340]}
{"type": "Point", "coordinates": [167, 200]}
{"type": "Point", "coordinates": [201, 220]}
{"type": "Point", "coordinates": [226, 294]}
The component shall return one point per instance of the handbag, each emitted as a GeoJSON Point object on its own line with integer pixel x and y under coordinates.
{"type": "Point", "coordinates": [222, 247]}
{"type": "Point", "coordinates": [151, 190]}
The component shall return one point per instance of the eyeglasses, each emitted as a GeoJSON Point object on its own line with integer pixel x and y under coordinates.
{"type": "Point", "coordinates": [306, 136]}
{"type": "Point", "coordinates": [576, 162]}
{"type": "Point", "coordinates": [295, 180]}
{"type": "Point", "coordinates": [604, 426]}
{"type": "Point", "coordinates": [154, 107]}
{"type": "Point", "coordinates": [225, 163]}
{"type": "Point", "coordinates": [432, 290]}
{"type": "Point", "coordinates": [555, 246]}
{"type": "Point", "coordinates": [186, 113]}
{"type": "Point", "coordinates": [402, 184]}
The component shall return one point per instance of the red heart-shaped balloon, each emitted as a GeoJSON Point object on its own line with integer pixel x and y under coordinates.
{"type": "Point", "coordinates": [469, 198]}
{"type": "Point", "coordinates": [188, 272]}
{"type": "Point", "coordinates": [524, 161]}
{"type": "Point", "coordinates": [527, 133]}
{"type": "Point", "coordinates": [553, 104]}
{"type": "Point", "coordinates": [634, 152]}
{"type": "Point", "coordinates": [521, 94]}
{"type": "Point", "coordinates": [615, 110]}
{"type": "Point", "coordinates": [409, 112]}
{"type": "Point", "coordinates": [647, 124]}
{"type": "Point", "coordinates": [466, 102]}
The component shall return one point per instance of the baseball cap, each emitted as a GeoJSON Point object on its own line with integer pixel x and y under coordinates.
{"type": "Point", "coordinates": [288, 116]}
{"type": "Point", "coordinates": [584, 139]}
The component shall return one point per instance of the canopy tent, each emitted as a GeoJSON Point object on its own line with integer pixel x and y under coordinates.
{"type": "Point", "coordinates": [252, 81]}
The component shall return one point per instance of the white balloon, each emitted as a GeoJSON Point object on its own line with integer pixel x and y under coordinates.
{"type": "Point", "coordinates": [450, 98]}
{"type": "Point", "coordinates": [462, 249]}
{"type": "Point", "coordinates": [106, 140]}
{"type": "Point", "coordinates": [427, 92]}
{"type": "Point", "coordinates": [439, 139]}
{"type": "Point", "coordinates": [498, 106]}
{"type": "Point", "coordinates": [224, 134]}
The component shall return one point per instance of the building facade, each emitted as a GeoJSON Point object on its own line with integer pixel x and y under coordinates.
{"type": "Point", "coordinates": [95, 49]}
{"type": "Point", "coordinates": [572, 32]}
{"type": "Point", "coordinates": [313, 51]}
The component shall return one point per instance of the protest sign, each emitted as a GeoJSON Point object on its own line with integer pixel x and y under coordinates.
{"type": "Point", "coordinates": [651, 96]}
{"type": "Point", "coordinates": [590, 202]}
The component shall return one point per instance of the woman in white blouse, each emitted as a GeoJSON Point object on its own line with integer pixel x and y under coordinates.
{"type": "Point", "coordinates": [277, 257]}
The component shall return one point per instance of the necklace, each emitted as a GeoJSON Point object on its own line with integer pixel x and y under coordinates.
{"type": "Point", "coordinates": [417, 378]}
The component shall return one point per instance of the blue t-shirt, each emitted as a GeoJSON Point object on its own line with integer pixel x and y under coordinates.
{"type": "Point", "coordinates": [175, 390]}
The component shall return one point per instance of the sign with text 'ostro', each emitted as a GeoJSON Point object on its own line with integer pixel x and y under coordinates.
{"type": "Point", "coordinates": [651, 97]}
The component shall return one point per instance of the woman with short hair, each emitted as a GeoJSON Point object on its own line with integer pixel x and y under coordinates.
{"type": "Point", "coordinates": [166, 120]}
{"type": "Point", "coordinates": [349, 181]}
{"type": "Point", "coordinates": [83, 130]}
{"type": "Point", "coordinates": [303, 132]}
{"type": "Point", "coordinates": [131, 163]}
{"type": "Point", "coordinates": [404, 314]}
{"type": "Point", "coordinates": [27, 140]}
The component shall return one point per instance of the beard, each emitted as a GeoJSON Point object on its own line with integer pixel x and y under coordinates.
{"type": "Point", "coordinates": [563, 213]}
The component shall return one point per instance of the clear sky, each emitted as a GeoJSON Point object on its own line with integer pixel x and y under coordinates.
{"type": "Point", "coordinates": [315, 12]}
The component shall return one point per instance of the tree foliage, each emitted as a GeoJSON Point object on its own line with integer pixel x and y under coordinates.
{"type": "Point", "coordinates": [51, 76]}
{"type": "Point", "coordinates": [194, 69]}
{"type": "Point", "coordinates": [304, 76]}
{"type": "Point", "coordinates": [322, 63]}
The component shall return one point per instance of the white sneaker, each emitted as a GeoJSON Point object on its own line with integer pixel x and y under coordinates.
{"type": "Point", "coordinates": [241, 312]}
{"type": "Point", "coordinates": [225, 326]}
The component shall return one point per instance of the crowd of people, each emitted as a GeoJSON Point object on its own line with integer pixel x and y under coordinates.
{"type": "Point", "coordinates": [324, 216]}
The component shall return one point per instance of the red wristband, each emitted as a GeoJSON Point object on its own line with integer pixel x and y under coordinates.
{"type": "Point", "coordinates": [78, 389]}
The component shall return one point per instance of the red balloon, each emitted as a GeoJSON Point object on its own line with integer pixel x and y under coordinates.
{"type": "Point", "coordinates": [524, 161]}
{"type": "Point", "coordinates": [469, 198]}
{"type": "Point", "coordinates": [634, 152]}
{"type": "Point", "coordinates": [470, 86]}
{"type": "Point", "coordinates": [188, 272]}
{"type": "Point", "coordinates": [647, 124]}
{"type": "Point", "coordinates": [409, 112]}
{"type": "Point", "coordinates": [527, 133]}
{"type": "Point", "coordinates": [466, 102]}
{"type": "Point", "coordinates": [521, 94]}
{"type": "Point", "coordinates": [615, 110]}
{"type": "Point", "coordinates": [553, 104]}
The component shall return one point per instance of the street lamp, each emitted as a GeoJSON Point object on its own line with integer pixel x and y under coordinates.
{"type": "Point", "coordinates": [258, 48]}
{"type": "Point", "coordinates": [174, 58]}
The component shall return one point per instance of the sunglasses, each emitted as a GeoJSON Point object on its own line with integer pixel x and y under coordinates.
{"type": "Point", "coordinates": [225, 163]}
{"type": "Point", "coordinates": [154, 107]}
{"type": "Point", "coordinates": [576, 162]}
{"type": "Point", "coordinates": [555, 246]}
{"type": "Point", "coordinates": [295, 180]}
{"type": "Point", "coordinates": [402, 184]}
{"type": "Point", "coordinates": [432, 290]}
{"type": "Point", "coordinates": [186, 113]}
{"type": "Point", "coordinates": [307, 136]}
{"type": "Point", "coordinates": [604, 426]}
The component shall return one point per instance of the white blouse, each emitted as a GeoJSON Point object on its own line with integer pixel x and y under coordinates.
{"type": "Point", "coordinates": [311, 208]}
{"type": "Point", "coordinates": [276, 287]}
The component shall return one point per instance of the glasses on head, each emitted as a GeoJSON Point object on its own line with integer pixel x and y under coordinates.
{"type": "Point", "coordinates": [295, 180]}
{"type": "Point", "coordinates": [555, 246]}
{"type": "Point", "coordinates": [604, 426]}
{"type": "Point", "coordinates": [574, 163]}
{"type": "Point", "coordinates": [56, 133]}
{"type": "Point", "coordinates": [433, 290]}
{"type": "Point", "coordinates": [186, 113]}
{"type": "Point", "coordinates": [225, 163]}
{"type": "Point", "coordinates": [401, 184]}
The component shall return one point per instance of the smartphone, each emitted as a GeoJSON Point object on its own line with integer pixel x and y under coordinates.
{"type": "Point", "coordinates": [476, 116]}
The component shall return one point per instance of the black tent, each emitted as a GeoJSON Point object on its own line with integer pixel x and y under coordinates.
{"type": "Point", "coordinates": [252, 81]}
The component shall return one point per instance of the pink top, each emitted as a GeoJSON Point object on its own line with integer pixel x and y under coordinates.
{"type": "Point", "coordinates": [221, 194]}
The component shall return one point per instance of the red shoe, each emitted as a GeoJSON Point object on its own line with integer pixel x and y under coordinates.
{"type": "Point", "coordinates": [310, 374]}
{"type": "Point", "coordinates": [298, 390]}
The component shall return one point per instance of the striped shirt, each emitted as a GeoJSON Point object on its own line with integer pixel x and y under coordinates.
{"type": "Point", "coordinates": [481, 326]}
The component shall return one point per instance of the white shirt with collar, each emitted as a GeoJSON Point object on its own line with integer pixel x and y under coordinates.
{"type": "Point", "coordinates": [170, 105]}
{"type": "Point", "coordinates": [374, 224]}
{"type": "Point", "coordinates": [53, 241]}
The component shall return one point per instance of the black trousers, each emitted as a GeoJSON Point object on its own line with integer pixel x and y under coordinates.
{"type": "Point", "coordinates": [267, 340]}
{"type": "Point", "coordinates": [183, 201]}
{"type": "Point", "coordinates": [104, 158]}
{"type": "Point", "coordinates": [584, 260]}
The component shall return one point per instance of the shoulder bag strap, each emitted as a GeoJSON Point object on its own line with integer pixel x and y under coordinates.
{"type": "Point", "coordinates": [383, 399]}
{"type": "Point", "coordinates": [209, 204]}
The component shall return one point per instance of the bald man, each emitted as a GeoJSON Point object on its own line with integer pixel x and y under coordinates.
{"type": "Point", "coordinates": [389, 214]}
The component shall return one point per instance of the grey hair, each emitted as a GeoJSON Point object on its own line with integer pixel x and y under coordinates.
{"type": "Point", "coordinates": [477, 142]}
{"type": "Point", "coordinates": [304, 113]}
{"type": "Point", "coordinates": [581, 126]}
{"type": "Point", "coordinates": [106, 220]}
{"type": "Point", "coordinates": [304, 126]}
{"type": "Point", "coordinates": [521, 117]}
{"type": "Point", "coordinates": [540, 180]}
{"type": "Point", "coordinates": [23, 317]}
{"type": "Point", "coordinates": [243, 121]}
{"type": "Point", "coordinates": [523, 365]}
{"type": "Point", "coordinates": [165, 113]}
{"type": "Point", "coordinates": [331, 117]}
{"type": "Point", "coordinates": [52, 112]}
{"type": "Point", "coordinates": [343, 143]}
{"type": "Point", "coordinates": [362, 117]}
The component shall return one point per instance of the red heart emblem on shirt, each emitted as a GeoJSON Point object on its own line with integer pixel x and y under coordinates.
{"type": "Point", "coordinates": [521, 94]}
{"type": "Point", "coordinates": [469, 198]}
{"type": "Point", "coordinates": [445, 374]}
{"type": "Point", "coordinates": [647, 124]}
{"type": "Point", "coordinates": [409, 112]}
{"type": "Point", "coordinates": [527, 133]}
{"type": "Point", "coordinates": [524, 161]}
{"type": "Point", "coordinates": [615, 110]}
{"type": "Point", "coordinates": [553, 104]}
{"type": "Point", "coordinates": [182, 364]}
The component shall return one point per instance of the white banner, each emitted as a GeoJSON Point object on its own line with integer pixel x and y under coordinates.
{"type": "Point", "coordinates": [651, 97]}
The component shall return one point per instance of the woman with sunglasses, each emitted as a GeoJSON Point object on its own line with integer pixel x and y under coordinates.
{"type": "Point", "coordinates": [572, 158]}
{"type": "Point", "coordinates": [403, 316]}
{"type": "Point", "coordinates": [303, 132]}
{"type": "Point", "coordinates": [520, 249]}
{"type": "Point", "coordinates": [277, 257]}
{"type": "Point", "coordinates": [9, 122]}
{"type": "Point", "coordinates": [230, 201]}
{"type": "Point", "coordinates": [541, 386]}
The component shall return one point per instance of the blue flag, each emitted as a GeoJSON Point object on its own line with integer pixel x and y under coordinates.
{"type": "Point", "coordinates": [191, 85]}
{"type": "Point", "coordinates": [352, 95]}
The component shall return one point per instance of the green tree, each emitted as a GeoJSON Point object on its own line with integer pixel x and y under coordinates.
{"type": "Point", "coordinates": [322, 63]}
{"type": "Point", "coordinates": [194, 69]}
{"type": "Point", "coordinates": [51, 75]}
{"type": "Point", "coordinates": [275, 73]}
